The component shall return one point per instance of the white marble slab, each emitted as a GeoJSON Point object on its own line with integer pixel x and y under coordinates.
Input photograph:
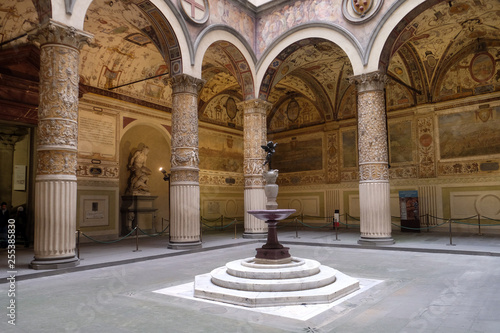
{"type": "Point", "coordinates": [297, 312]}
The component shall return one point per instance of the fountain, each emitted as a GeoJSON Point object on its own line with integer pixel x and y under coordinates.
{"type": "Point", "coordinates": [273, 277]}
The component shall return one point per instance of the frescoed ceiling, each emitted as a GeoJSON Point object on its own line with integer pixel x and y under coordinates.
{"type": "Point", "coordinates": [313, 69]}
{"type": "Point", "coordinates": [432, 56]}
{"type": "Point", "coordinates": [434, 41]}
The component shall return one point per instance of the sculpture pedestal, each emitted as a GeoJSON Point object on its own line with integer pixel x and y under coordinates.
{"type": "Point", "coordinates": [272, 252]}
{"type": "Point", "coordinates": [138, 210]}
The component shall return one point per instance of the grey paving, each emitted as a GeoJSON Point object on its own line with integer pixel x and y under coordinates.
{"type": "Point", "coordinates": [427, 286]}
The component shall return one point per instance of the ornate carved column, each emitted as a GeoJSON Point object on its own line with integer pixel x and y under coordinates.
{"type": "Point", "coordinates": [254, 136]}
{"type": "Point", "coordinates": [55, 183]}
{"type": "Point", "coordinates": [374, 193]}
{"type": "Point", "coordinates": [184, 179]}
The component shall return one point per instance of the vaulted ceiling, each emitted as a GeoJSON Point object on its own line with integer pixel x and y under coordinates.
{"type": "Point", "coordinates": [135, 50]}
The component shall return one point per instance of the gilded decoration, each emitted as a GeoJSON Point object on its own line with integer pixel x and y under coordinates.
{"type": "Point", "coordinates": [56, 162]}
{"type": "Point", "coordinates": [209, 178]}
{"type": "Point", "coordinates": [458, 168]}
{"type": "Point", "coordinates": [301, 178]}
{"type": "Point", "coordinates": [105, 171]}
{"type": "Point", "coordinates": [373, 172]}
{"type": "Point", "coordinates": [57, 132]}
{"type": "Point", "coordinates": [185, 159]}
{"type": "Point", "coordinates": [426, 150]}
{"type": "Point", "coordinates": [403, 172]}
{"type": "Point", "coordinates": [58, 82]}
{"type": "Point", "coordinates": [184, 175]}
{"type": "Point", "coordinates": [332, 168]}
{"type": "Point", "coordinates": [372, 130]}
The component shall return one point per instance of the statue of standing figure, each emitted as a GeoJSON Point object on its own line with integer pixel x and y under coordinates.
{"type": "Point", "coordinates": [139, 176]}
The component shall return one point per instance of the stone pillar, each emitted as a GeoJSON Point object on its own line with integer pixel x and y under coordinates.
{"type": "Point", "coordinates": [55, 182]}
{"type": "Point", "coordinates": [184, 179]}
{"type": "Point", "coordinates": [254, 136]}
{"type": "Point", "coordinates": [374, 194]}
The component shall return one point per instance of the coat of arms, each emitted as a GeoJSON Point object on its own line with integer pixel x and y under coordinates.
{"type": "Point", "coordinates": [361, 7]}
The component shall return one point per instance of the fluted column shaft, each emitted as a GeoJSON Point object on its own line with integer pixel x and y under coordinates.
{"type": "Point", "coordinates": [55, 182]}
{"type": "Point", "coordinates": [184, 180]}
{"type": "Point", "coordinates": [254, 136]}
{"type": "Point", "coordinates": [374, 193]}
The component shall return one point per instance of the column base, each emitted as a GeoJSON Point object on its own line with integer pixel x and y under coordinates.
{"type": "Point", "coordinates": [39, 264]}
{"type": "Point", "coordinates": [254, 235]}
{"type": "Point", "coordinates": [184, 246]}
{"type": "Point", "coordinates": [376, 241]}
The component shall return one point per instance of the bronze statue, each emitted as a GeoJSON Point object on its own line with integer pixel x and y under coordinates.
{"type": "Point", "coordinates": [270, 149]}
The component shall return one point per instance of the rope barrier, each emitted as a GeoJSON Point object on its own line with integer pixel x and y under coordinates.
{"type": "Point", "coordinates": [156, 233]}
{"type": "Point", "coordinates": [109, 242]}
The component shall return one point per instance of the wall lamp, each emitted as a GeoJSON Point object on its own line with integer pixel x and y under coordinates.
{"type": "Point", "coordinates": [166, 176]}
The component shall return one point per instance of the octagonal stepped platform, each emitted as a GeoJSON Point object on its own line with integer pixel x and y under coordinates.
{"type": "Point", "coordinates": [301, 281]}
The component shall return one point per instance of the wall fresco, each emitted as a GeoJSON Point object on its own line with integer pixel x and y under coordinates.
{"type": "Point", "coordinates": [349, 150]}
{"type": "Point", "coordinates": [220, 152]}
{"type": "Point", "coordinates": [400, 142]}
{"type": "Point", "coordinates": [299, 155]}
{"type": "Point", "coordinates": [469, 133]}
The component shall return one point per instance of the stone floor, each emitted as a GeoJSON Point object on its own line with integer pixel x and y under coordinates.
{"type": "Point", "coordinates": [423, 284]}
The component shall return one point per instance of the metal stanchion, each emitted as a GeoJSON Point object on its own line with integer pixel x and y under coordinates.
{"type": "Point", "coordinates": [136, 240]}
{"type": "Point", "coordinates": [222, 222]}
{"type": "Point", "coordinates": [451, 240]}
{"type": "Point", "coordinates": [235, 222]}
{"type": "Point", "coordinates": [427, 221]}
{"type": "Point", "coordinates": [346, 223]}
{"type": "Point", "coordinates": [479, 224]}
{"type": "Point", "coordinates": [78, 244]}
{"type": "Point", "coordinates": [296, 228]}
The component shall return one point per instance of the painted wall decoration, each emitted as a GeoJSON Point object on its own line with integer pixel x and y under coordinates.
{"type": "Point", "coordinates": [426, 147]}
{"type": "Point", "coordinates": [294, 113]}
{"type": "Point", "coordinates": [299, 155]}
{"type": "Point", "coordinates": [223, 110]}
{"type": "Point", "coordinates": [349, 149]}
{"type": "Point", "coordinates": [221, 152]}
{"type": "Point", "coordinates": [400, 142]}
{"type": "Point", "coordinates": [225, 12]}
{"type": "Point", "coordinates": [472, 75]}
{"type": "Point", "coordinates": [469, 133]}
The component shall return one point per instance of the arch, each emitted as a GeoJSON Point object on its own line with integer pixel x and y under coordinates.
{"type": "Point", "coordinates": [333, 33]}
{"type": "Point", "coordinates": [385, 35]}
{"type": "Point", "coordinates": [236, 44]}
{"type": "Point", "coordinates": [162, 13]}
{"type": "Point", "coordinates": [144, 122]}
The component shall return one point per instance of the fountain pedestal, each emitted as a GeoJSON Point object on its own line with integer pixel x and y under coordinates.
{"type": "Point", "coordinates": [272, 252]}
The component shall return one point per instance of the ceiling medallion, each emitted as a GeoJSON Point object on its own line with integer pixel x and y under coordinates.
{"type": "Point", "coordinates": [360, 11]}
{"type": "Point", "coordinates": [196, 11]}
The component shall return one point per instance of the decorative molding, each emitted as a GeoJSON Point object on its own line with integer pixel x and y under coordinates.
{"type": "Point", "coordinates": [56, 33]}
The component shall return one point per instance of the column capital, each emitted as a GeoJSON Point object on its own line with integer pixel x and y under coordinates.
{"type": "Point", "coordinates": [184, 83]}
{"type": "Point", "coordinates": [369, 81]}
{"type": "Point", "coordinates": [54, 32]}
{"type": "Point", "coordinates": [255, 106]}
